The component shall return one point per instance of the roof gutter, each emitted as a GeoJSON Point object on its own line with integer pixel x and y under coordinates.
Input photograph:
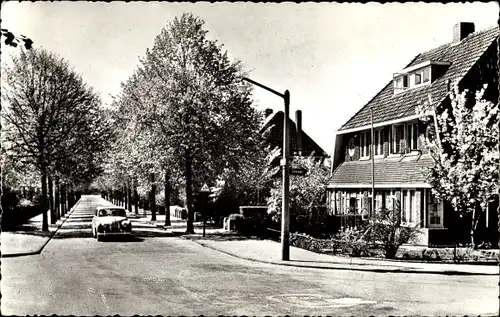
{"type": "Point", "coordinates": [377, 125]}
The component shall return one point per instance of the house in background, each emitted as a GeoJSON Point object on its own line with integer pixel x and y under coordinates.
{"type": "Point", "coordinates": [400, 137]}
{"type": "Point", "coordinates": [300, 143]}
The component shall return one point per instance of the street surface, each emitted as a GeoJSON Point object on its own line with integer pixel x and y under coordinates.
{"type": "Point", "coordinates": [160, 273]}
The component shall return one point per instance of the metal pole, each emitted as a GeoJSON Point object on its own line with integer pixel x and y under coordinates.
{"type": "Point", "coordinates": [285, 217]}
{"type": "Point", "coordinates": [373, 164]}
{"type": "Point", "coordinates": [498, 208]}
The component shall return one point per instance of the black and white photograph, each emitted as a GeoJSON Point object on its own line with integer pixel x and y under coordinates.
{"type": "Point", "coordinates": [250, 159]}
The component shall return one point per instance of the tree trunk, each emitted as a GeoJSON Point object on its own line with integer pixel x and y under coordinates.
{"type": "Point", "coordinates": [152, 197]}
{"type": "Point", "coordinates": [53, 216]}
{"type": "Point", "coordinates": [43, 201]}
{"type": "Point", "coordinates": [61, 199]}
{"type": "Point", "coordinates": [475, 221]}
{"type": "Point", "coordinates": [129, 198]}
{"type": "Point", "coordinates": [189, 196]}
{"type": "Point", "coordinates": [125, 197]}
{"type": "Point", "coordinates": [57, 198]}
{"type": "Point", "coordinates": [167, 200]}
{"type": "Point", "coordinates": [136, 199]}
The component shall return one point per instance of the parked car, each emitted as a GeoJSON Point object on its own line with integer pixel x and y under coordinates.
{"type": "Point", "coordinates": [110, 221]}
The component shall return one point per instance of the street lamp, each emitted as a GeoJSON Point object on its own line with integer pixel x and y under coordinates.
{"type": "Point", "coordinates": [285, 214]}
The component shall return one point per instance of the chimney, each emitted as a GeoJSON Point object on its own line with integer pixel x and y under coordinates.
{"type": "Point", "coordinates": [268, 112]}
{"type": "Point", "coordinates": [298, 124]}
{"type": "Point", "coordinates": [462, 30]}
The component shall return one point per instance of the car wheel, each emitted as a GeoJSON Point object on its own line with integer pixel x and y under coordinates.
{"type": "Point", "coordinates": [99, 238]}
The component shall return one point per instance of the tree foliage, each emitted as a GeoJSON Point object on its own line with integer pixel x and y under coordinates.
{"type": "Point", "coordinates": [307, 194]}
{"type": "Point", "coordinates": [465, 170]}
{"type": "Point", "coordinates": [52, 119]}
{"type": "Point", "coordinates": [12, 40]}
{"type": "Point", "coordinates": [184, 99]}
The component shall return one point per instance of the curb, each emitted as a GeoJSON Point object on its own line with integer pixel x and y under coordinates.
{"type": "Point", "coordinates": [377, 270]}
{"type": "Point", "coordinates": [13, 255]}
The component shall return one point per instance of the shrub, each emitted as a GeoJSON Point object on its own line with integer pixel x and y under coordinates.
{"type": "Point", "coordinates": [431, 255]}
{"type": "Point", "coordinates": [307, 242]}
{"type": "Point", "coordinates": [385, 228]}
{"type": "Point", "coordinates": [352, 242]}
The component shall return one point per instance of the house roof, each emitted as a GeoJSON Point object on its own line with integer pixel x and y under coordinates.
{"type": "Point", "coordinates": [394, 172]}
{"type": "Point", "coordinates": [388, 106]}
{"type": "Point", "coordinates": [274, 122]}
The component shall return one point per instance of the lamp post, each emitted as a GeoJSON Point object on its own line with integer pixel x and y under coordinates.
{"type": "Point", "coordinates": [285, 214]}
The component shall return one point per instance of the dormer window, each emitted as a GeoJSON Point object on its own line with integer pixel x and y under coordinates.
{"type": "Point", "coordinates": [417, 75]}
{"type": "Point", "coordinates": [401, 82]}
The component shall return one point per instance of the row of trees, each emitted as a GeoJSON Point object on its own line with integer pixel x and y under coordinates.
{"type": "Point", "coordinates": [181, 119]}
{"type": "Point", "coordinates": [54, 128]}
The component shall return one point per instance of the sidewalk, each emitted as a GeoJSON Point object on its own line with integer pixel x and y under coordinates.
{"type": "Point", "coordinates": [176, 224]}
{"type": "Point", "coordinates": [29, 239]}
{"type": "Point", "coordinates": [268, 251]}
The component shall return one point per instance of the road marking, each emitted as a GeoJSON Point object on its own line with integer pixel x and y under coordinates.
{"type": "Point", "coordinates": [104, 300]}
{"type": "Point", "coordinates": [318, 300]}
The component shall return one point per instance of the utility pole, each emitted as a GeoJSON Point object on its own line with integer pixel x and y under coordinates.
{"type": "Point", "coordinates": [285, 211]}
{"type": "Point", "coordinates": [373, 163]}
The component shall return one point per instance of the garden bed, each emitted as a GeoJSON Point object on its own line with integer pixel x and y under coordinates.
{"type": "Point", "coordinates": [405, 253]}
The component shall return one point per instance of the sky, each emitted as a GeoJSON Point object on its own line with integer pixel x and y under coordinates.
{"type": "Point", "coordinates": [333, 58]}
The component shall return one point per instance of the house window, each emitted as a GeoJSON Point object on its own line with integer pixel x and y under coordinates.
{"type": "Point", "coordinates": [365, 144]}
{"type": "Point", "coordinates": [401, 82]}
{"type": "Point", "coordinates": [426, 74]}
{"type": "Point", "coordinates": [397, 136]}
{"type": "Point", "coordinates": [337, 203]}
{"type": "Point", "coordinates": [412, 136]}
{"type": "Point", "coordinates": [379, 141]}
{"type": "Point", "coordinates": [418, 78]}
{"type": "Point", "coordinates": [435, 207]}
{"type": "Point", "coordinates": [353, 204]}
{"type": "Point", "coordinates": [409, 206]}
{"type": "Point", "coordinates": [421, 76]}
{"type": "Point", "coordinates": [411, 79]}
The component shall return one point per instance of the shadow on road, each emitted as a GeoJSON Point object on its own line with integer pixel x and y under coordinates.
{"type": "Point", "coordinates": [225, 237]}
{"type": "Point", "coordinates": [132, 238]}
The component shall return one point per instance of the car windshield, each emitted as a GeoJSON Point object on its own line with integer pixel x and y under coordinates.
{"type": "Point", "coordinates": [112, 212]}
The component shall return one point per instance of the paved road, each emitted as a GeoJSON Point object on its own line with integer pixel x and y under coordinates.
{"type": "Point", "coordinates": [171, 276]}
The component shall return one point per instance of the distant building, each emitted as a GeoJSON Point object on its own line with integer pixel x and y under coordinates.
{"type": "Point", "coordinates": [399, 136]}
{"type": "Point", "coordinates": [300, 143]}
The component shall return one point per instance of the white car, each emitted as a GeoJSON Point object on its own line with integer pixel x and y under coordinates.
{"type": "Point", "coordinates": [109, 221]}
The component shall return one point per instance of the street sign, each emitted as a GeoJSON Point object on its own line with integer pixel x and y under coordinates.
{"type": "Point", "coordinates": [205, 189]}
{"type": "Point", "coordinates": [298, 171]}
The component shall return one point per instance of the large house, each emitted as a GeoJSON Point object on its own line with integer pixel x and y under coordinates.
{"type": "Point", "coordinates": [400, 153]}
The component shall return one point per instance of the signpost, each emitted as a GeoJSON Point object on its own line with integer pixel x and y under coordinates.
{"type": "Point", "coordinates": [299, 171]}
{"type": "Point", "coordinates": [204, 192]}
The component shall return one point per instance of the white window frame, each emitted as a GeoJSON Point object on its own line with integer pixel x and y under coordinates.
{"type": "Point", "coordinates": [420, 72]}
{"type": "Point", "coordinates": [365, 139]}
{"type": "Point", "coordinates": [399, 82]}
{"type": "Point", "coordinates": [392, 145]}
{"type": "Point", "coordinates": [413, 132]}
{"type": "Point", "coordinates": [409, 206]}
{"type": "Point", "coordinates": [379, 147]}
{"type": "Point", "coordinates": [411, 75]}
{"type": "Point", "coordinates": [439, 208]}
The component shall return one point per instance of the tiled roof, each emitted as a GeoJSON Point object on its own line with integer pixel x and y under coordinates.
{"type": "Point", "coordinates": [408, 170]}
{"type": "Point", "coordinates": [275, 123]}
{"type": "Point", "coordinates": [388, 106]}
